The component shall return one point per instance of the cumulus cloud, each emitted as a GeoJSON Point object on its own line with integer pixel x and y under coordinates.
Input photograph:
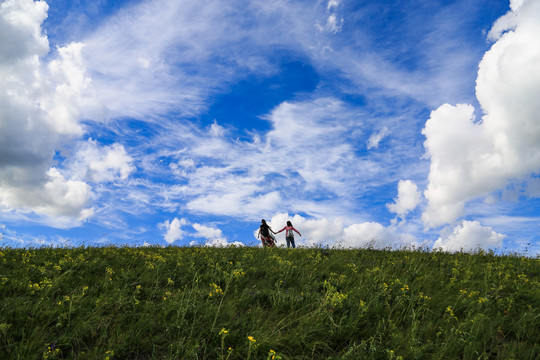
{"type": "Point", "coordinates": [408, 198]}
{"type": "Point", "coordinates": [470, 158]}
{"type": "Point", "coordinates": [371, 234]}
{"type": "Point", "coordinates": [39, 109]}
{"type": "Point", "coordinates": [207, 232]}
{"type": "Point", "coordinates": [213, 236]}
{"type": "Point", "coordinates": [62, 201]}
{"type": "Point", "coordinates": [516, 4]}
{"type": "Point", "coordinates": [334, 232]}
{"type": "Point", "coordinates": [468, 236]}
{"type": "Point", "coordinates": [102, 164]}
{"type": "Point", "coordinates": [173, 229]}
{"type": "Point", "coordinates": [72, 90]}
{"type": "Point", "coordinates": [20, 30]}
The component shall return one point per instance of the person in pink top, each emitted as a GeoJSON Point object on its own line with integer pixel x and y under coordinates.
{"type": "Point", "coordinates": [289, 234]}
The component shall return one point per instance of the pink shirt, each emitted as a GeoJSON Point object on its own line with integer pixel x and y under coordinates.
{"type": "Point", "coordinates": [289, 232]}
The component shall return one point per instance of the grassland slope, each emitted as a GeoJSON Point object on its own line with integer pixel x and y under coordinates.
{"type": "Point", "coordinates": [252, 303]}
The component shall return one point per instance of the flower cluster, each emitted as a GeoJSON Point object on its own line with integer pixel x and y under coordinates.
{"type": "Point", "coordinates": [46, 283]}
{"type": "Point", "coordinates": [216, 290]}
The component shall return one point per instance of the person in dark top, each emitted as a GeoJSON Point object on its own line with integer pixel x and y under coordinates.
{"type": "Point", "coordinates": [265, 234]}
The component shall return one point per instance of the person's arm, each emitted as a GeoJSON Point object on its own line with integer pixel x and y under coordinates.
{"type": "Point", "coordinates": [280, 230]}
{"type": "Point", "coordinates": [297, 231]}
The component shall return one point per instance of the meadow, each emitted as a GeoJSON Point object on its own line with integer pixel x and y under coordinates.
{"type": "Point", "coordinates": [251, 303]}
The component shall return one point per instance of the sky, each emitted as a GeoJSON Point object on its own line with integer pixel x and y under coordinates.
{"type": "Point", "coordinates": [387, 124]}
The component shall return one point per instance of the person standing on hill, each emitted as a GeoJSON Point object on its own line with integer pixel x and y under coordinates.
{"type": "Point", "coordinates": [289, 234]}
{"type": "Point", "coordinates": [265, 234]}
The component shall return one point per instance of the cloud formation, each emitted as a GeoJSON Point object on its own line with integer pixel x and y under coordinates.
{"type": "Point", "coordinates": [98, 164]}
{"type": "Point", "coordinates": [41, 105]}
{"type": "Point", "coordinates": [470, 158]}
{"type": "Point", "coordinates": [408, 198]}
{"type": "Point", "coordinates": [375, 138]}
{"type": "Point", "coordinates": [309, 151]}
{"type": "Point", "coordinates": [468, 236]}
{"type": "Point", "coordinates": [173, 229]}
{"type": "Point", "coordinates": [38, 112]}
{"type": "Point", "coordinates": [213, 236]}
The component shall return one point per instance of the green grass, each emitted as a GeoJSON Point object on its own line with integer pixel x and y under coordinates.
{"type": "Point", "coordinates": [239, 303]}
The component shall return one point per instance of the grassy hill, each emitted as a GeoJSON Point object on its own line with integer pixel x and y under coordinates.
{"type": "Point", "coordinates": [252, 303]}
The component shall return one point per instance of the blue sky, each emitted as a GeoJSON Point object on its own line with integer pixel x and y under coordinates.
{"type": "Point", "coordinates": [384, 124]}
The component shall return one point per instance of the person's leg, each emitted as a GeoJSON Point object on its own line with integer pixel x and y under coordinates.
{"type": "Point", "coordinates": [292, 243]}
{"type": "Point", "coordinates": [288, 242]}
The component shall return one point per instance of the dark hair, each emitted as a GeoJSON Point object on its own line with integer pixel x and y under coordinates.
{"type": "Point", "coordinates": [289, 223]}
{"type": "Point", "coordinates": [264, 228]}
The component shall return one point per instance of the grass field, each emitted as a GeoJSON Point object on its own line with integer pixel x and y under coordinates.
{"type": "Point", "coordinates": [253, 303]}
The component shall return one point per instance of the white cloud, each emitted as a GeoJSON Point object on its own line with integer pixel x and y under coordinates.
{"type": "Point", "coordinates": [173, 229]}
{"type": "Point", "coordinates": [504, 23]}
{"type": "Point", "coordinates": [468, 236]}
{"type": "Point", "coordinates": [143, 59]}
{"type": "Point", "coordinates": [102, 164]}
{"type": "Point", "coordinates": [471, 159]}
{"type": "Point", "coordinates": [408, 198]}
{"type": "Point", "coordinates": [213, 236]}
{"type": "Point", "coordinates": [20, 30]}
{"type": "Point", "coordinates": [370, 234]}
{"type": "Point", "coordinates": [333, 23]}
{"type": "Point", "coordinates": [375, 138]}
{"type": "Point", "coordinates": [207, 232]}
{"type": "Point", "coordinates": [316, 139]}
{"type": "Point", "coordinates": [332, 4]}
{"type": "Point", "coordinates": [146, 58]}
{"type": "Point", "coordinates": [222, 242]}
{"type": "Point", "coordinates": [516, 4]}
{"type": "Point", "coordinates": [310, 151]}
{"type": "Point", "coordinates": [62, 202]}
{"type": "Point", "coordinates": [235, 202]}
{"type": "Point", "coordinates": [71, 91]}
